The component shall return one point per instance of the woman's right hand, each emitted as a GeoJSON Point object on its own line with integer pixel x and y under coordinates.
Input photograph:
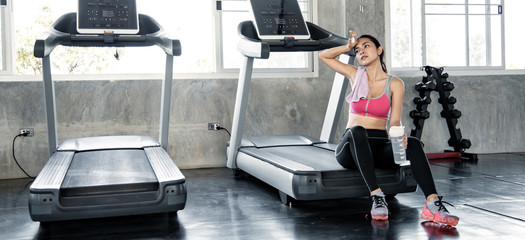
{"type": "Point", "coordinates": [352, 41]}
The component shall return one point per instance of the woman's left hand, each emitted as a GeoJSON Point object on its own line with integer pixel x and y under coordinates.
{"type": "Point", "coordinates": [405, 141]}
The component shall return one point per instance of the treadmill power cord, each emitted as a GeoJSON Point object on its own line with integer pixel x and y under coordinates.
{"type": "Point", "coordinates": [16, 161]}
{"type": "Point", "coordinates": [221, 128]}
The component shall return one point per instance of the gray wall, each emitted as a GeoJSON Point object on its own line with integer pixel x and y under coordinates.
{"type": "Point", "coordinates": [492, 107]}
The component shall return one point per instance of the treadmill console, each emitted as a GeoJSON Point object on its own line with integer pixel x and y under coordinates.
{"type": "Point", "coordinates": [277, 19]}
{"type": "Point", "coordinates": [99, 16]}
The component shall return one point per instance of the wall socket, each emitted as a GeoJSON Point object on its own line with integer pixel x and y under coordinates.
{"type": "Point", "coordinates": [27, 132]}
{"type": "Point", "coordinates": [213, 126]}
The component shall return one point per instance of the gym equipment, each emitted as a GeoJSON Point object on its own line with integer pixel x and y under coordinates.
{"type": "Point", "coordinates": [112, 175]}
{"type": "Point", "coordinates": [300, 167]}
{"type": "Point", "coordinates": [118, 16]}
{"type": "Point", "coordinates": [275, 20]}
{"type": "Point", "coordinates": [436, 80]}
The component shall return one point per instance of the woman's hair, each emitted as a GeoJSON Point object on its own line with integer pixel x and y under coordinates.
{"type": "Point", "coordinates": [376, 42]}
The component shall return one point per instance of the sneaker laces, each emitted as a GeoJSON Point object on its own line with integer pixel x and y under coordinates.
{"type": "Point", "coordinates": [378, 201]}
{"type": "Point", "coordinates": [439, 203]}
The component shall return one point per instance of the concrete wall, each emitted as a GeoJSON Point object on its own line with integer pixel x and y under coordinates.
{"type": "Point", "coordinates": [492, 108]}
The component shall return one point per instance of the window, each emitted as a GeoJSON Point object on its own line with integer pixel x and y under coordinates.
{"type": "Point", "coordinates": [208, 37]}
{"type": "Point", "coordinates": [467, 34]}
{"type": "Point", "coordinates": [514, 34]}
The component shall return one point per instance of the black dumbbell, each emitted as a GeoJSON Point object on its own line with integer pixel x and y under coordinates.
{"type": "Point", "coordinates": [465, 143]}
{"type": "Point", "coordinates": [448, 86]}
{"type": "Point", "coordinates": [424, 100]}
{"type": "Point", "coordinates": [429, 86]}
{"type": "Point", "coordinates": [454, 113]}
{"type": "Point", "coordinates": [450, 100]}
{"type": "Point", "coordinates": [419, 86]}
{"type": "Point", "coordinates": [452, 142]}
{"type": "Point", "coordinates": [423, 114]}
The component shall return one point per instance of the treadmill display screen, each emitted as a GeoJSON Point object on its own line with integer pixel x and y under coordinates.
{"type": "Point", "coordinates": [276, 19]}
{"type": "Point", "coordinates": [98, 16]}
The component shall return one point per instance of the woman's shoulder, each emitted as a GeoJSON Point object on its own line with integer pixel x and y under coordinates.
{"type": "Point", "coordinates": [396, 82]}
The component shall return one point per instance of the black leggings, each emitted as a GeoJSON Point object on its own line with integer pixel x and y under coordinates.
{"type": "Point", "coordinates": [366, 149]}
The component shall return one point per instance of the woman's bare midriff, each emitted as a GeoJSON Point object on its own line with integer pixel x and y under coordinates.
{"type": "Point", "coordinates": [366, 122]}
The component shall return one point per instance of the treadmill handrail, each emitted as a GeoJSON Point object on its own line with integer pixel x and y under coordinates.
{"type": "Point", "coordinates": [251, 46]}
{"type": "Point", "coordinates": [63, 32]}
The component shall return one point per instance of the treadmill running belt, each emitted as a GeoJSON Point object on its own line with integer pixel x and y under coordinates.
{"type": "Point", "coordinates": [317, 158]}
{"type": "Point", "coordinates": [108, 172]}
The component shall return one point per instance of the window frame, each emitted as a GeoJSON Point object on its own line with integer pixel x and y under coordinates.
{"type": "Point", "coordinates": [462, 70]}
{"type": "Point", "coordinates": [6, 33]}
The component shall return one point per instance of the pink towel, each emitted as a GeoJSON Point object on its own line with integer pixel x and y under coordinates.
{"type": "Point", "coordinates": [360, 90]}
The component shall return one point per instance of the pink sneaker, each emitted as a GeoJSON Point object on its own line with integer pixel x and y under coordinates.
{"type": "Point", "coordinates": [437, 212]}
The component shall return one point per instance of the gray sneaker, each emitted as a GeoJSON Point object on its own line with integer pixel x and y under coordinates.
{"type": "Point", "coordinates": [379, 207]}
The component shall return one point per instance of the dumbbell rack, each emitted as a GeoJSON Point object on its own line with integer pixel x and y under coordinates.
{"type": "Point", "coordinates": [436, 80]}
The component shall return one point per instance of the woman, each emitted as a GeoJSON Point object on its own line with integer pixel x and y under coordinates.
{"type": "Point", "coordinates": [376, 102]}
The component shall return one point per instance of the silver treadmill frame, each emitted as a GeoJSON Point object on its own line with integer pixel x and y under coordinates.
{"type": "Point", "coordinates": [44, 193]}
{"type": "Point", "coordinates": [291, 178]}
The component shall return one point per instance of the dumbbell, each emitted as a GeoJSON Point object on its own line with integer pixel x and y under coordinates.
{"type": "Point", "coordinates": [450, 100]}
{"type": "Point", "coordinates": [423, 114]}
{"type": "Point", "coordinates": [448, 86]}
{"type": "Point", "coordinates": [429, 86]}
{"type": "Point", "coordinates": [454, 113]}
{"type": "Point", "coordinates": [424, 100]}
{"type": "Point", "coordinates": [465, 143]}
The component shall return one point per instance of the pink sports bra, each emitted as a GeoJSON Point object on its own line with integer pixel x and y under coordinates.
{"type": "Point", "coordinates": [374, 107]}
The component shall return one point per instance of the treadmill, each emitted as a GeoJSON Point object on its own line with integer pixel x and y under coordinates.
{"type": "Point", "coordinates": [106, 176]}
{"type": "Point", "coordinates": [301, 167]}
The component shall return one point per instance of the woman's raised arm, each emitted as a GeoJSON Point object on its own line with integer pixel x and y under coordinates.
{"type": "Point", "coordinates": [329, 56]}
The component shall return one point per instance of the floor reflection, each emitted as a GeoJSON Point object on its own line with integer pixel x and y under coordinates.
{"type": "Point", "coordinates": [142, 226]}
{"type": "Point", "coordinates": [435, 230]}
{"type": "Point", "coordinates": [380, 229]}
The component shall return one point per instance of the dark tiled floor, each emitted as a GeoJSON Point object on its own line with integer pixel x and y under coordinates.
{"type": "Point", "coordinates": [489, 196]}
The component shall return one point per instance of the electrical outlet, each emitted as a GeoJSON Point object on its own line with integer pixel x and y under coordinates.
{"type": "Point", "coordinates": [213, 126]}
{"type": "Point", "coordinates": [27, 132]}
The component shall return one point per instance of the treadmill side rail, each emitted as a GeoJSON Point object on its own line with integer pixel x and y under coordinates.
{"type": "Point", "coordinates": [52, 175]}
{"type": "Point", "coordinates": [45, 190]}
{"type": "Point", "coordinates": [164, 168]}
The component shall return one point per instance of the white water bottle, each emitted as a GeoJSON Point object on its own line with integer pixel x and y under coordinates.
{"type": "Point", "coordinates": [396, 138]}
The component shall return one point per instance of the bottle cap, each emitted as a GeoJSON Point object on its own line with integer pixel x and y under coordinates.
{"type": "Point", "coordinates": [396, 131]}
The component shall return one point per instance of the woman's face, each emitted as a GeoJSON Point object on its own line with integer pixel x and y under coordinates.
{"type": "Point", "coordinates": [366, 51]}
